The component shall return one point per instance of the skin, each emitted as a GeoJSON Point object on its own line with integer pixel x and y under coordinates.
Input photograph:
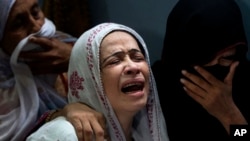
{"type": "Point", "coordinates": [214, 95]}
{"type": "Point", "coordinates": [123, 63]}
{"type": "Point", "coordinates": [25, 18]}
{"type": "Point", "coordinates": [86, 121]}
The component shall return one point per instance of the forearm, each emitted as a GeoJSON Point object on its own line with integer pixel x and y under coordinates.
{"type": "Point", "coordinates": [71, 110]}
{"type": "Point", "coordinates": [53, 114]}
{"type": "Point", "coordinates": [235, 117]}
{"type": "Point", "coordinates": [80, 114]}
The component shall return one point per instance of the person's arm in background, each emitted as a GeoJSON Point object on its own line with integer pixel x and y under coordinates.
{"type": "Point", "coordinates": [86, 121]}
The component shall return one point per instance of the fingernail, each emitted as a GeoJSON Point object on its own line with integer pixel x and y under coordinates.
{"type": "Point", "coordinates": [196, 67]}
{"type": "Point", "coordinates": [182, 80]}
{"type": "Point", "coordinates": [183, 71]}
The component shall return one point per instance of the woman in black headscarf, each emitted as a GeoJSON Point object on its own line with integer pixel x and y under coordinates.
{"type": "Point", "coordinates": [208, 34]}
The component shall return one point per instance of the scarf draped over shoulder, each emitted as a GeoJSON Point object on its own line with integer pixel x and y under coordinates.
{"type": "Point", "coordinates": [86, 86]}
{"type": "Point", "coordinates": [23, 97]}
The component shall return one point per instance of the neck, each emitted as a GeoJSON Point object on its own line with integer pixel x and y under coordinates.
{"type": "Point", "coordinates": [126, 121]}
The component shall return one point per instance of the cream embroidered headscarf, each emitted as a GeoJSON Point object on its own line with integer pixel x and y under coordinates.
{"type": "Point", "coordinates": [86, 86]}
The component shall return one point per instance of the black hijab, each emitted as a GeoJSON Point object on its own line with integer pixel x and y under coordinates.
{"type": "Point", "coordinates": [196, 30]}
{"type": "Point", "coordinates": [200, 28]}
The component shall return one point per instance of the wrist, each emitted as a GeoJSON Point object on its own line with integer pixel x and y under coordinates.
{"type": "Point", "coordinates": [52, 115]}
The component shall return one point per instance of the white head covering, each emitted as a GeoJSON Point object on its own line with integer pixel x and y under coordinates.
{"type": "Point", "coordinates": [5, 7]}
{"type": "Point", "coordinates": [86, 86]}
{"type": "Point", "coordinates": [23, 96]}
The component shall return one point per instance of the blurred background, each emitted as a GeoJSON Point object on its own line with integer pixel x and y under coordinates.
{"type": "Point", "coordinates": [147, 17]}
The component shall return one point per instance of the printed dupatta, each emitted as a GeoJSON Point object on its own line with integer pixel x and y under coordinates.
{"type": "Point", "coordinates": [85, 86]}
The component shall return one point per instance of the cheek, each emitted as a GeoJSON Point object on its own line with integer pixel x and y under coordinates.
{"type": "Point", "coordinates": [146, 75]}
{"type": "Point", "coordinates": [110, 81]}
{"type": "Point", "coordinates": [145, 71]}
{"type": "Point", "coordinates": [11, 41]}
{"type": "Point", "coordinates": [147, 82]}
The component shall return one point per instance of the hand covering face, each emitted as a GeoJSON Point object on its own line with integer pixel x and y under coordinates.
{"type": "Point", "coordinates": [23, 97]}
{"type": "Point", "coordinates": [196, 30]}
{"type": "Point", "coordinates": [85, 86]}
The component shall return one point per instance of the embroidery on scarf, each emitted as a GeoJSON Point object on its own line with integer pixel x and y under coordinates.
{"type": "Point", "coordinates": [76, 84]}
{"type": "Point", "coordinates": [90, 64]}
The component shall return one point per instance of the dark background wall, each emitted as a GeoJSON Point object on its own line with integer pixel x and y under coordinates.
{"type": "Point", "coordinates": [245, 9]}
{"type": "Point", "coordinates": [147, 17]}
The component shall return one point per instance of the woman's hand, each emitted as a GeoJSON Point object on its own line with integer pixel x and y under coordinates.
{"type": "Point", "coordinates": [87, 122]}
{"type": "Point", "coordinates": [214, 95]}
{"type": "Point", "coordinates": [53, 58]}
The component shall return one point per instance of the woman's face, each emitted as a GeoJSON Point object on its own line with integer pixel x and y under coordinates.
{"type": "Point", "coordinates": [124, 72]}
{"type": "Point", "coordinates": [25, 18]}
{"type": "Point", "coordinates": [227, 56]}
{"type": "Point", "coordinates": [223, 58]}
{"type": "Point", "coordinates": [219, 66]}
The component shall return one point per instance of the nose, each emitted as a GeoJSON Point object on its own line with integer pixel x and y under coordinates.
{"type": "Point", "coordinates": [131, 68]}
{"type": "Point", "coordinates": [35, 25]}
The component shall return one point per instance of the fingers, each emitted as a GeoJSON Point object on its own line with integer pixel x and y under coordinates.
{"type": "Point", "coordinates": [55, 56]}
{"type": "Point", "coordinates": [88, 123]}
{"type": "Point", "coordinates": [88, 130]}
{"type": "Point", "coordinates": [230, 75]}
{"type": "Point", "coordinates": [53, 50]}
{"type": "Point", "coordinates": [99, 131]}
{"type": "Point", "coordinates": [193, 90]}
{"type": "Point", "coordinates": [78, 128]}
{"type": "Point", "coordinates": [34, 54]}
{"type": "Point", "coordinates": [103, 124]}
{"type": "Point", "coordinates": [198, 81]}
{"type": "Point", "coordinates": [92, 129]}
{"type": "Point", "coordinates": [44, 42]}
{"type": "Point", "coordinates": [207, 76]}
{"type": "Point", "coordinates": [196, 96]}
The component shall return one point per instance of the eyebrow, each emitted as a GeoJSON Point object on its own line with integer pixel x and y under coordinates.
{"type": "Point", "coordinates": [121, 52]}
{"type": "Point", "coordinates": [20, 15]}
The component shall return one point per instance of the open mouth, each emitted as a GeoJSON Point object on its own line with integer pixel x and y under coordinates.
{"type": "Point", "coordinates": [132, 87]}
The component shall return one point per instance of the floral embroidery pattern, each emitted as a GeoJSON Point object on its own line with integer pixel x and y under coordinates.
{"type": "Point", "coordinates": [90, 60]}
{"type": "Point", "coordinates": [150, 109]}
{"type": "Point", "coordinates": [75, 84]}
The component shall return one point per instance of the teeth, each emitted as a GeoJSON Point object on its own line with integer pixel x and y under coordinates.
{"type": "Point", "coordinates": [131, 84]}
{"type": "Point", "coordinates": [132, 87]}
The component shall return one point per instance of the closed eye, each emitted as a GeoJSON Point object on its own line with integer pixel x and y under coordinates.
{"type": "Point", "coordinates": [231, 57]}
